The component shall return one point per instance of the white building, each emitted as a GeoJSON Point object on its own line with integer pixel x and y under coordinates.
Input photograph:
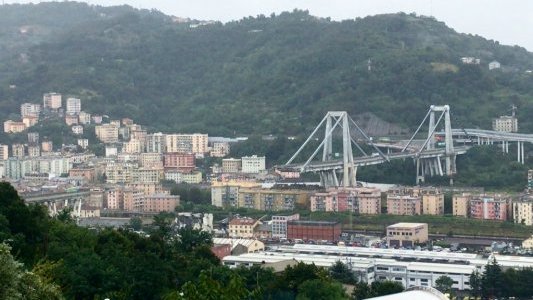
{"type": "Point", "coordinates": [279, 225]}
{"type": "Point", "coordinates": [30, 110]}
{"type": "Point", "coordinates": [494, 65]}
{"type": "Point", "coordinates": [253, 164]}
{"type": "Point", "coordinates": [77, 129]}
{"type": "Point", "coordinates": [523, 210]}
{"type": "Point", "coordinates": [84, 118]}
{"type": "Point", "coordinates": [84, 143]}
{"type": "Point", "coordinates": [155, 143]}
{"type": "Point", "coordinates": [73, 106]}
{"type": "Point", "coordinates": [4, 152]}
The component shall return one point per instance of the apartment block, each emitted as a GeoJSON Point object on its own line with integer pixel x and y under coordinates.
{"type": "Point", "coordinates": [433, 204]}
{"type": "Point", "coordinates": [404, 205]}
{"type": "Point", "coordinates": [160, 203]}
{"type": "Point", "coordinates": [47, 146]}
{"type": "Point", "coordinates": [77, 129]}
{"type": "Point", "coordinates": [34, 151]}
{"type": "Point", "coordinates": [33, 138]}
{"type": "Point", "coordinates": [11, 126]}
{"type": "Point", "coordinates": [231, 165]}
{"type": "Point", "coordinates": [107, 133]}
{"type": "Point", "coordinates": [220, 149]}
{"type": "Point", "coordinates": [271, 199]}
{"type": "Point", "coordinates": [4, 152]}
{"type": "Point", "coordinates": [461, 204]}
{"type": "Point", "coordinates": [505, 124]}
{"type": "Point", "coordinates": [151, 160]}
{"type": "Point", "coordinates": [194, 143]}
{"type": "Point", "coordinates": [84, 118]}
{"type": "Point", "coordinates": [336, 200]}
{"type": "Point", "coordinates": [252, 164]}
{"type": "Point", "coordinates": [369, 201]}
{"type": "Point", "coordinates": [242, 227]}
{"type": "Point", "coordinates": [18, 150]}
{"type": "Point", "coordinates": [156, 142]}
{"type": "Point", "coordinates": [226, 193]}
{"type": "Point", "coordinates": [71, 120]}
{"type": "Point", "coordinates": [184, 162]}
{"type": "Point", "coordinates": [30, 109]}
{"type": "Point", "coordinates": [73, 106]}
{"type": "Point", "coordinates": [133, 146]}
{"type": "Point", "coordinates": [523, 210]}
{"type": "Point", "coordinates": [279, 225]}
{"type": "Point", "coordinates": [120, 172]}
{"type": "Point", "coordinates": [147, 175]}
{"type": "Point", "coordinates": [489, 207]}
{"type": "Point", "coordinates": [52, 100]}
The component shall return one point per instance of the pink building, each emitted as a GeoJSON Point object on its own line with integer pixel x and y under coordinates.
{"type": "Point", "coordinates": [489, 207]}
{"type": "Point", "coordinates": [181, 161]}
{"type": "Point", "coordinates": [404, 205]}
{"type": "Point", "coordinates": [335, 199]}
{"type": "Point", "coordinates": [160, 203]}
{"type": "Point", "coordinates": [369, 201]}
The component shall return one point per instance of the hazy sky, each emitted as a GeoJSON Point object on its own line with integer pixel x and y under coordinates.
{"type": "Point", "coordinates": [508, 21]}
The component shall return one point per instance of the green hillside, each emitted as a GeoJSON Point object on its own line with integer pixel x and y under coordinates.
{"type": "Point", "coordinates": [264, 75]}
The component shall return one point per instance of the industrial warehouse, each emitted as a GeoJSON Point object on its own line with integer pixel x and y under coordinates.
{"type": "Point", "coordinates": [408, 267]}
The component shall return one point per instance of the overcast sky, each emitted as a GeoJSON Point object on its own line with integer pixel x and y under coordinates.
{"type": "Point", "coordinates": [508, 21]}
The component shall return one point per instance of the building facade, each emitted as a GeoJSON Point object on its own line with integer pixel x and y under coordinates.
{"type": "Point", "coordinates": [404, 205]}
{"type": "Point", "coordinates": [407, 234]}
{"type": "Point", "coordinates": [73, 106]}
{"type": "Point", "coordinates": [231, 165]}
{"type": "Point", "coordinates": [505, 124]}
{"type": "Point", "coordinates": [461, 204]}
{"type": "Point", "coordinates": [252, 164]}
{"type": "Point", "coordinates": [107, 133]}
{"type": "Point", "coordinates": [489, 207]}
{"type": "Point", "coordinates": [313, 230]}
{"type": "Point", "coordinates": [52, 100]}
{"type": "Point", "coordinates": [523, 210]}
{"type": "Point", "coordinates": [279, 225]}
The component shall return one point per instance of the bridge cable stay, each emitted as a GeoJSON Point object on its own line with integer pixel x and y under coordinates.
{"type": "Point", "coordinates": [328, 135]}
{"type": "Point", "coordinates": [430, 135]}
{"type": "Point", "coordinates": [307, 141]}
{"type": "Point", "coordinates": [417, 130]}
{"type": "Point", "coordinates": [385, 157]}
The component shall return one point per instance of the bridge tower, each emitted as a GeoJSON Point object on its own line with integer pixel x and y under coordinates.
{"type": "Point", "coordinates": [432, 165]}
{"type": "Point", "coordinates": [333, 122]}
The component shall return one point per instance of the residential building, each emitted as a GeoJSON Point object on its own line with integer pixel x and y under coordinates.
{"type": "Point", "coordinates": [18, 150]}
{"type": "Point", "coordinates": [263, 231]}
{"type": "Point", "coordinates": [34, 151]}
{"type": "Point", "coordinates": [73, 106]}
{"type": "Point", "coordinates": [83, 143]}
{"type": "Point", "coordinates": [71, 120]}
{"type": "Point", "coordinates": [87, 172]}
{"type": "Point", "coordinates": [226, 193]}
{"type": "Point", "coordinates": [279, 225]}
{"type": "Point", "coordinates": [313, 230]}
{"type": "Point", "coordinates": [97, 119]}
{"type": "Point", "coordinates": [272, 199]}
{"type": "Point", "coordinates": [195, 143]}
{"type": "Point", "coordinates": [156, 142]}
{"type": "Point", "coordinates": [252, 164]}
{"type": "Point", "coordinates": [336, 200]}
{"type": "Point", "coordinates": [77, 129]}
{"type": "Point", "coordinates": [489, 207]}
{"type": "Point", "coordinates": [523, 210]}
{"type": "Point", "coordinates": [505, 124]}
{"type": "Point", "coordinates": [52, 100]}
{"type": "Point", "coordinates": [192, 177]}
{"type": "Point", "coordinates": [529, 180]}
{"type": "Point", "coordinates": [433, 203]}
{"type": "Point", "coordinates": [11, 126]}
{"type": "Point", "coordinates": [404, 205]}
{"type": "Point", "coordinates": [4, 152]}
{"type": "Point", "coordinates": [120, 172]}
{"type": "Point", "coordinates": [242, 227]}
{"type": "Point", "coordinates": [184, 162]}
{"type": "Point", "coordinates": [470, 60]}
{"type": "Point", "coordinates": [133, 146]}
{"type": "Point", "coordinates": [107, 133]}
{"type": "Point", "coordinates": [30, 121]}
{"type": "Point", "coordinates": [528, 243]}
{"type": "Point", "coordinates": [84, 118]}
{"type": "Point", "coordinates": [147, 175]}
{"type": "Point", "coordinates": [231, 165]}
{"type": "Point", "coordinates": [47, 146]}
{"type": "Point", "coordinates": [494, 65]}
{"type": "Point", "coordinates": [111, 151]}
{"type": "Point", "coordinates": [369, 201]}
{"type": "Point", "coordinates": [33, 138]}
{"type": "Point", "coordinates": [220, 149]}
{"type": "Point", "coordinates": [127, 122]}
{"type": "Point", "coordinates": [407, 234]}
{"type": "Point", "coordinates": [134, 199]}
{"type": "Point", "coordinates": [151, 160]}
{"type": "Point", "coordinates": [138, 134]}
{"type": "Point", "coordinates": [461, 204]}
{"type": "Point", "coordinates": [30, 109]}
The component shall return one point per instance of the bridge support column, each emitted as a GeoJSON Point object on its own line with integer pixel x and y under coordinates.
{"type": "Point", "coordinates": [506, 146]}
{"type": "Point", "coordinates": [478, 141]}
{"type": "Point", "coordinates": [520, 152]}
{"type": "Point", "coordinates": [420, 172]}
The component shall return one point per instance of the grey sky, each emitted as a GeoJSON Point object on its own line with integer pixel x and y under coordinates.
{"type": "Point", "coordinates": [508, 21]}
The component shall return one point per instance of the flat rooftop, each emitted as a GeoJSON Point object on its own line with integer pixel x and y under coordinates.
{"type": "Point", "coordinates": [407, 225]}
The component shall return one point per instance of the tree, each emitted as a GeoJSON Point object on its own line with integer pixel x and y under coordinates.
{"type": "Point", "coordinates": [492, 280]}
{"type": "Point", "coordinates": [475, 283]}
{"type": "Point", "coordinates": [136, 223]}
{"type": "Point", "coordinates": [361, 291]}
{"type": "Point", "coordinates": [444, 284]}
{"type": "Point", "coordinates": [382, 288]}
{"type": "Point", "coordinates": [320, 289]}
{"type": "Point", "coordinates": [342, 273]}
{"type": "Point", "coordinates": [15, 283]}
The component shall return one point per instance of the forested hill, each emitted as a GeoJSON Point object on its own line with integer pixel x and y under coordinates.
{"type": "Point", "coordinates": [274, 74]}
